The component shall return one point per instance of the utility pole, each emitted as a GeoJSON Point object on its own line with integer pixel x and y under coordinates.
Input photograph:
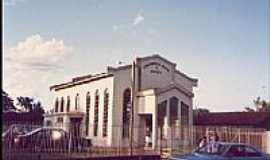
{"type": "Point", "coordinates": [133, 94]}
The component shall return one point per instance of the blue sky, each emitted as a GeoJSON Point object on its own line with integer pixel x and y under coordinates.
{"type": "Point", "coordinates": [223, 43]}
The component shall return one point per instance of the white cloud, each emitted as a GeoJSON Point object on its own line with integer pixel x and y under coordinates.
{"type": "Point", "coordinates": [130, 26]}
{"type": "Point", "coordinates": [37, 52]}
{"type": "Point", "coordinates": [138, 19]}
{"type": "Point", "coordinates": [32, 66]}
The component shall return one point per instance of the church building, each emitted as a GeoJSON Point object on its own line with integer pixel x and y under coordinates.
{"type": "Point", "coordinates": [144, 102]}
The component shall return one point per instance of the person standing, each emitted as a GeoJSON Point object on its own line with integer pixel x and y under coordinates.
{"type": "Point", "coordinates": [214, 143]}
{"type": "Point", "coordinates": [203, 142]}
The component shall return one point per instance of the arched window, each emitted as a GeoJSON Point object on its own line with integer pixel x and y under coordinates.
{"type": "Point", "coordinates": [184, 114]}
{"type": "Point", "coordinates": [105, 113]}
{"type": "Point", "coordinates": [77, 102]}
{"type": "Point", "coordinates": [173, 104]}
{"type": "Point", "coordinates": [96, 113]}
{"type": "Point", "coordinates": [87, 114]}
{"type": "Point", "coordinates": [126, 112]}
{"type": "Point", "coordinates": [68, 103]}
{"type": "Point", "coordinates": [184, 119]}
{"type": "Point", "coordinates": [62, 105]}
{"type": "Point", "coordinates": [56, 105]}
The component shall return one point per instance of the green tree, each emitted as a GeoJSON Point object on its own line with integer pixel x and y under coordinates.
{"type": "Point", "coordinates": [7, 102]}
{"type": "Point", "coordinates": [201, 110]}
{"type": "Point", "coordinates": [30, 105]}
{"type": "Point", "coordinates": [26, 103]}
{"type": "Point", "coordinates": [265, 106]}
{"type": "Point", "coordinates": [260, 106]}
{"type": "Point", "coordinates": [38, 108]}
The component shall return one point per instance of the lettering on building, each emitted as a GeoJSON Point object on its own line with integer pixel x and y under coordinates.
{"type": "Point", "coordinates": [157, 65]}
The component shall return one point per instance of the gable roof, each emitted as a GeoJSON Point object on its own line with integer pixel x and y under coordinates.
{"type": "Point", "coordinates": [174, 86]}
{"type": "Point", "coordinates": [80, 80]}
{"type": "Point", "coordinates": [256, 119]}
{"type": "Point", "coordinates": [158, 91]}
{"type": "Point", "coordinates": [155, 56]}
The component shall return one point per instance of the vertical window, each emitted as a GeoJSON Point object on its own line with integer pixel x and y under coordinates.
{"type": "Point", "coordinates": [56, 105]}
{"type": "Point", "coordinates": [173, 110]}
{"type": "Point", "coordinates": [96, 113]}
{"type": "Point", "coordinates": [161, 110]}
{"type": "Point", "coordinates": [105, 113]}
{"type": "Point", "coordinates": [62, 105]}
{"type": "Point", "coordinates": [77, 102]}
{"type": "Point", "coordinates": [184, 120]}
{"type": "Point", "coordinates": [87, 114]}
{"type": "Point", "coordinates": [60, 121]}
{"type": "Point", "coordinates": [68, 103]}
{"type": "Point", "coordinates": [184, 114]}
{"type": "Point", "coordinates": [126, 112]}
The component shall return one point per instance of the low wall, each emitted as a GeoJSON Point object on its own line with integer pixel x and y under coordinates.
{"type": "Point", "coordinates": [267, 142]}
{"type": "Point", "coordinates": [76, 157]}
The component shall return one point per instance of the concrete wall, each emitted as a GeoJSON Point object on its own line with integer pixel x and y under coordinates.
{"type": "Point", "coordinates": [100, 85]}
{"type": "Point", "coordinates": [266, 142]}
{"type": "Point", "coordinates": [147, 104]}
{"type": "Point", "coordinates": [155, 73]}
{"type": "Point", "coordinates": [155, 76]}
{"type": "Point", "coordinates": [122, 81]}
{"type": "Point", "coordinates": [188, 84]}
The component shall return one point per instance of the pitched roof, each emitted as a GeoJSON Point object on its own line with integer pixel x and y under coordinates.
{"type": "Point", "coordinates": [174, 86]}
{"type": "Point", "coordinates": [233, 118]}
{"type": "Point", "coordinates": [80, 80]}
{"type": "Point", "coordinates": [155, 56]}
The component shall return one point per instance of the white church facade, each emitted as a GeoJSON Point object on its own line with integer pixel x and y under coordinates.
{"type": "Point", "coordinates": [159, 97]}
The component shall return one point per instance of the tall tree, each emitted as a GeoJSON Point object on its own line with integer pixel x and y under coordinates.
{"type": "Point", "coordinates": [265, 106]}
{"type": "Point", "coordinates": [260, 106]}
{"type": "Point", "coordinates": [38, 108]}
{"type": "Point", "coordinates": [201, 111]}
{"type": "Point", "coordinates": [26, 103]}
{"type": "Point", "coordinates": [257, 102]}
{"type": "Point", "coordinates": [30, 105]}
{"type": "Point", "coordinates": [7, 102]}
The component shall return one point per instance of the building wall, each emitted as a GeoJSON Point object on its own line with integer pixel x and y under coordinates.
{"type": "Point", "coordinates": [188, 84]}
{"type": "Point", "coordinates": [267, 142]}
{"type": "Point", "coordinates": [122, 81]}
{"type": "Point", "coordinates": [155, 73]}
{"type": "Point", "coordinates": [182, 98]}
{"type": "Point", "coordinates": [150, 73]}
{"type": "Point", "coordinates": [82, 90]}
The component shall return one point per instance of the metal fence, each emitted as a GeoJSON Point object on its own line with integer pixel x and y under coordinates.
{"type": "Point", "coordinates": [34, 141]}
{"type": "Point", "coordinates": [52, 141]}
{"type": "Point", "coordinates": [183, 140]}
{"type": "Point", "coordinates": [247, 135]}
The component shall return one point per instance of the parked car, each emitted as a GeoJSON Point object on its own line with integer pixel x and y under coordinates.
{"type": "Point", "coordinates": [9, 136]}
{"type": "Point", "coordinates": [43, 137]}
{"type": "Point", "coordinates": [46, 138]}
{"type": "Point", "coordinates": [224, 151]}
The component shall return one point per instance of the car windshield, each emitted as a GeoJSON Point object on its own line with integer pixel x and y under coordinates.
{"type": "Point", "coordinates": [212, 148]}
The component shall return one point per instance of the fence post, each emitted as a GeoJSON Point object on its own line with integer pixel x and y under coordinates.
{"type": "Point", "coordinates": [248, 136]}
{"type": "Point", "coordinates": [239, 136]}
{"type": "Point", "coordinates": [171, 138]}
